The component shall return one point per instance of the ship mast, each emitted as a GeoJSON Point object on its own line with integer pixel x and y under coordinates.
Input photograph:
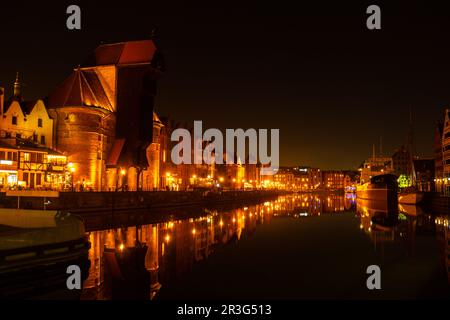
{"type": "Point", "coordinates": [411, 148]}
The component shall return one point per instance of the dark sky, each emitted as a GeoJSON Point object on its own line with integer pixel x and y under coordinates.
{"type": "Point", "coordinates": [316, 72]}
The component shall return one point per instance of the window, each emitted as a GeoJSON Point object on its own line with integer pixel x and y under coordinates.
{"type": "Point", "coordinates": [38, 179]}
{"type": "Point", "coordinates": [14, 156]}
{"type": "Point", "coordinates": [39, 157]}
{"type": "Point", "coordinates": [26, 158]}
{"type": "Point", "coordinates": [33, 157]}
{"type": "Point", "coordinates": [25, 177]}
{"type": "Point", "coordinates": [40, 123]}
{"type": "Point", "coordinates": [42, 139]}
{"type": "Point", "coordinates": [35, 137]}
{"type": "Point", "coordinates": [14, 120]}
{"type": "Point", "coordinates": [2, 155]}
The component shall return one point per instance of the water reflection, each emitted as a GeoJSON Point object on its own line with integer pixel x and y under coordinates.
{"type": "Point", "coordinates": [400, 226]}
{"type": "Point", "coordinates": [134, 262]}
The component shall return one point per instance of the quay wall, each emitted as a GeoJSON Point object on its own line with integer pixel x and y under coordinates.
{"type": "Point", "coordinates": [107, 201]}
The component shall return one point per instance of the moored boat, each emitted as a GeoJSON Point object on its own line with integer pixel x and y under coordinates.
{"type": "Point", "coordinates": [379, 188]}
{"type": "Point", "coordinates": [410, 197]}
{"type": "Point", "coordinates": [36, 249]}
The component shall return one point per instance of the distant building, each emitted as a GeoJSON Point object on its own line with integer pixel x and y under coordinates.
{"type": "Point", "coordinates": [307, 178]}
{"type": "Point", "coordinates": [351, 179]}
{"type": "Point", "coordinates": [401, 161]}
{"type": "Point", "coordinates": [425, 174]}
{"type": "Point", "coordinates": [333, 179]}
{"type": "Point", "coordinates": [445, 180]}
{"type": "Point", "coordinates": [438, 155]}
{"type": "Point", "coordinates": [284, 179]}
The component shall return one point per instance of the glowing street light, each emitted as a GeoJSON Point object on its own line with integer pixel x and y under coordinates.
{"type": "Point", "coordinates": [72, 171]}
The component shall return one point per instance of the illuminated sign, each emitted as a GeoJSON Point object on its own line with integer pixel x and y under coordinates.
{"type": "Point", "coordinates": [7, 162]}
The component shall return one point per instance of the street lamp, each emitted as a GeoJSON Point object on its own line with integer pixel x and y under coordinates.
{"type": "Point", "coordinates": [122, 173]}
{"type": "Point", "coordinates": [72, 170]}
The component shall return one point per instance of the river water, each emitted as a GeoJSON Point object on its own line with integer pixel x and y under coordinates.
{"type": "Point", "coordinates": [302, 246]}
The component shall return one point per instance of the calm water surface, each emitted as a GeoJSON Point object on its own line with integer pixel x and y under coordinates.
{"type": "Point", "coordinates": [296, 247]}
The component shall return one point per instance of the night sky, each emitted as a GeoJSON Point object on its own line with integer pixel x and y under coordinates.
{"type": "Point", "coordinates": [329, 84]}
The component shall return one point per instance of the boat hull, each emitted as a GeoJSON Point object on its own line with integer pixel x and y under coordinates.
{"type": "Point", "coordinates": [410, 198]}
{"type": "Point", "coordinates": [381, 189]}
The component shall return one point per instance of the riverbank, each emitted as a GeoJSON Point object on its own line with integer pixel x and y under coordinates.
{"type": "Point", "coordinates": [83, 202]}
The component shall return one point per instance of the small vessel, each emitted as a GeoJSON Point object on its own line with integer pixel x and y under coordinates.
{"type": "Point", "coordinates": [36, 249]}
{"type": "Point", "coordinates": [411, 197]}
{"type": "Point", "coordinates": [380, 188]}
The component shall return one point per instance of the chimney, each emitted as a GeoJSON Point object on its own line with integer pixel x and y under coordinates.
{"type": "Point", "coordinates": [2, 100]}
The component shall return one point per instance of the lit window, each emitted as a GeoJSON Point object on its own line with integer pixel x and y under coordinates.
{"type": "Point", "coordinates": [26, 157]}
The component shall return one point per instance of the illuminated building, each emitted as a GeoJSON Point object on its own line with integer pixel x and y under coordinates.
{"type": "Point", "coordinates": [445, 180]}
{"type": "Point", "coordinates": [27, 159]}
{"type": "Point", "coordinates": [151, 175]}
{"type": "Point", "coordinates": [27, 120]}
{"type": "Point", "coordinates": [284, 179]}
{"type": "Point", "coordinates": [333, 180]}
{"type": "Point", "coordinates": [104, 114]}
{"type": "Point", "coordinates": [438, 156]}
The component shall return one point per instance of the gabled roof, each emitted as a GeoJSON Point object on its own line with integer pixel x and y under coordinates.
{"type": "Point", "coordinates": [130, 52]}
{"type": "Point", "coordinates": [26, 106]}
{"type": "Point", "coordinates": [81, 88]}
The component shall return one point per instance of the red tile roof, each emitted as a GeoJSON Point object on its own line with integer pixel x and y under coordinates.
{"type": "Point", "coordinates": [81, 88]}
{"type": "Point", "coordinates": [130, 52]}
